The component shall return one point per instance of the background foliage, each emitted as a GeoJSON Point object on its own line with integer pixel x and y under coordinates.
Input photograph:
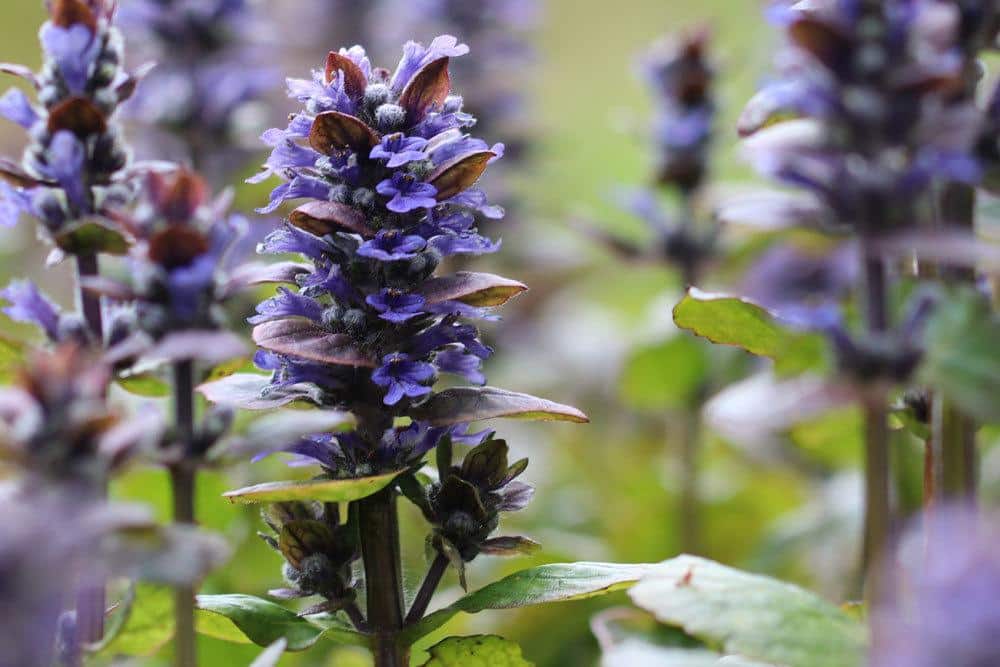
{"type": "Point", "coordinates": [607, 492]}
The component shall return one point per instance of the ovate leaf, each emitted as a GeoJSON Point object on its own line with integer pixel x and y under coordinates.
{"type": "Point", "coordinates": [325, 490]}
{"type": "Point", "coordinates": [466, 404]}
{"type": "Point", "coordinates": [480, 650]}
{"type": "Point", "coordinates": [558, 582]}
{"type": "Point", "coordinates": [751, 615]}
{"type": "Point", "coordinates": [741, 323]}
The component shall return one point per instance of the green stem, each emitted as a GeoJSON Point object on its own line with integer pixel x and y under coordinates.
{"type": "Point", "coordinates": [182, 481]}
{"type": "Point", "coordinates": [955, 433]}
{"type": "Point", "coordinates": [380, 551]}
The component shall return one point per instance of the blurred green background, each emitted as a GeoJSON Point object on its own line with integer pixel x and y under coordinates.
{"type": "Point", "coordinates": [607, 491]}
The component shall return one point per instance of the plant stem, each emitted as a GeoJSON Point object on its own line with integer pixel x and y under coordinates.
{"type": "Point", "coordinates": [380, 551]}
{"type": "Point", "coordinates": [182, 482]}
{"type": "Point", "coordinates": [953, 432]}
{"type": "Point", "coordinates": [90, 599]}
{"type": "Point", "coordinates": [875, 408]}
{"type": "Point", "coordinates": [87, 266]}
{"type": "Point", "coordinates": [437, 569]}
{"type": "Point", "coordinates": [689, 500]}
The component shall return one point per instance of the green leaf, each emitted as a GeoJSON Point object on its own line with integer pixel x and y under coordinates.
{"type": "Point", "coordinates": [741, 323]}
{"type": "Point", "coordinates": [668, 374]}
{"type": "Point", "coordinates": [92, 237]}
{"type": "Point", "coordinates": [245, 619]}
{"type": "Point", "coordinates": [558, 582]}
{"type": "Point", "coordinates": [144, 384]}
{"type": "Point", "coordinates": [751, 615]}
{"type": "Point", "coordinates": [476, 651]}
{"type": "Point", "coordinates": [148, 625]}
{"type": "Point", "coordinates": [326, 490]}
{"type": "Point", "coordinates": [833, 438]}
{"type": "Point", "coordinates": [963, 358]}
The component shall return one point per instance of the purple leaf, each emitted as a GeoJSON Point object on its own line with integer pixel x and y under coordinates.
{"type": "Point", "coordinates": [459, 173]}
{"type": "Point", "coordinates": [327, 217]}
{"type": "Point", "coordinates": [305, 340]}
{"type": "Point", "coordinates": [474, 289]}
{"type": "Point", "coordinates": [467, 404]}
{"type": "Point", "coordinates": [428, 89]}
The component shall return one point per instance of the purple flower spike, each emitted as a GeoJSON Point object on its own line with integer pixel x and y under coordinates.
{"type": "Point", "coordinates": [407, 193]}
{"type": "Point", "coordinates": [401, 376]}
{"type": "Point", "coordinates": [399, 149]}
{"type": "Point", "coordinates": [395, 306]}
{"type": "Point", "coordinates": [391, 246]}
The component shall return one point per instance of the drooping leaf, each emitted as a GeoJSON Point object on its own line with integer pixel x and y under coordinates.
{"type": "Point", "coordinates": [246, 619]}
{"type": "Point", "coordinates": [428, 88]}
{"type": "Point", "coordinates": [477, 650]}
{"type": "Point", "coordinates": [326, 490]}
{"type": "Point", "coordinates": [459, 173]}
{"type": "Point", "coordinates": [301, 338]}
{"type": "Point", "coordinates": [333, 131]}
{"type": "Point", "coordinates": [255, 392]}
{"type": "Point", "coordinates": [733, 321]}
{"type": "Point", "coordinates": [558, 582]}
{"type": "Point", "coordinates": [466, 404]}
{"type": "Point", "coordinates": [474, 289]}
{"type": "Point", "coordinates": [668, 374]}
{"type": "Point", "coordinates": [751, 615]}
{"type": "Point", "coordinates": [963, 355]}
{"type": "Point", "coordinates": [327, 217]}
{"type": "Point", "coordinates": [149, 623]}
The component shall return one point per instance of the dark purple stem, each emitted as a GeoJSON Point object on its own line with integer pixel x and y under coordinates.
{"type": "Point", "coordinates": [380, 551]}
{"type": "Point", "coordinates": [420, 603]}
{"type": "Point", "coordinates": [182, 481]}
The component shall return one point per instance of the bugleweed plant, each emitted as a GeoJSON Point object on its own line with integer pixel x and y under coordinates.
{"type": "Point", "coordinates": [680, 74]}
{"type": "Point", "coordinates": [368, 367]}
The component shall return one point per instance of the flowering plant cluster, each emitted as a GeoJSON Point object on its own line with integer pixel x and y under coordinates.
{"type": "Point", "coordinates": [869, 294]}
